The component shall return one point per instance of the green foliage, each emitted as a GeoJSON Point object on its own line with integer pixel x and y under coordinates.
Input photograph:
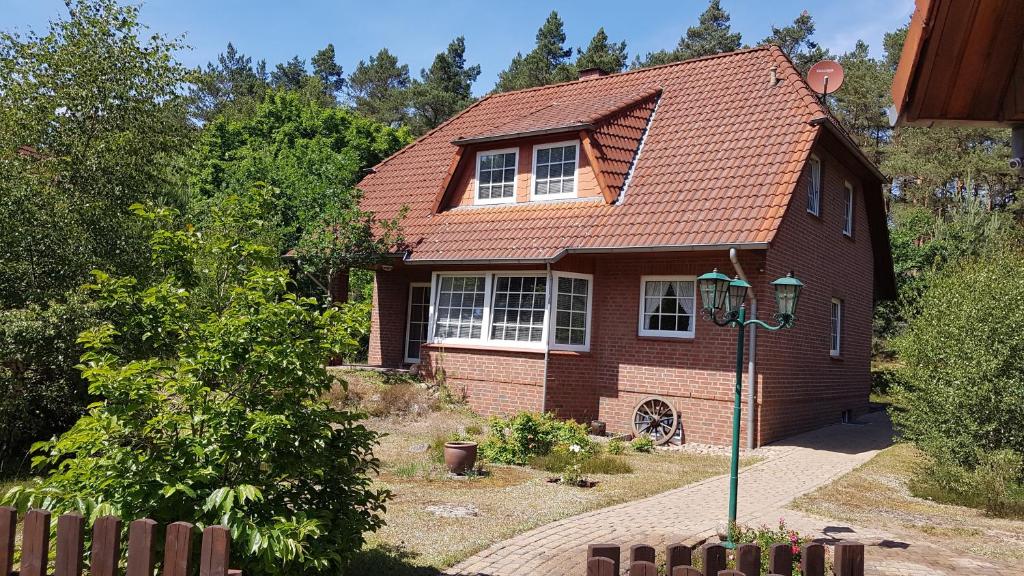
{"type": "Point", "coordinates": [93, 117]}
{"type": "Point", "coordinates": [796, 41]}
{"type": "Point", "coordinates": [212, 412]}
{"type": "Point", "coordinates": [615, 446]}
{"type": "Point", "coordinates": [996, 485]}
{"type": "Point", "coordinates": [378, 89]}
{"type": "Point", "coordinates": [962, 395]}
{"type": "Point", "coordinates": [712, 35]}
{"type": "Point", "coordinates": [232, 85]}
{"type": "Point", "coordinates": [765, 536]}
{"type": "Point", "coordinates": [608, 57]}
{"type": "Point", "coordinates": [558, 459]}
{"type": "Point", "coordinates": [327, 69]}
{"type": "Point", "coordinates": [642, 444]}
{"type": "Point", "coordinates": [547, 63]}
{"type": "Point", "coordinates": [519, 438]}
{"type": "Point", "coordinates": [444, 90]}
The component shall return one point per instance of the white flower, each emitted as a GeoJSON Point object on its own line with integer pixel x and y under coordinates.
{"type": "Point", "coordinates": [575, 448]}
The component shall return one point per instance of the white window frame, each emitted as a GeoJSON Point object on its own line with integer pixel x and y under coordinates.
{"type": "Point", "coordinates": [575, 173]}
{"type": "Point", "coordinates": [408, 319]}
{"type": "Point", "coordinates": [515, 180]}
{"type": "Point", "coordinates": [848, 211]}
{"type": "Point", "coordinates": [553, 299]}
{"type": "Point", "coordinates": [485, 334]}
{"type": "Point", "coordinates": [641, 331]}
{"type": "Point", "coordinates": [835, 345]}
{"type": "Point", "coordinates": [814, 188]}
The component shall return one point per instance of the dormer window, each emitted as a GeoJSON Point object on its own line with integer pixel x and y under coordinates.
{"type": "Point", "coordinates": [554, 170]}
{"type": "Point", "coordinates": [496, 176]}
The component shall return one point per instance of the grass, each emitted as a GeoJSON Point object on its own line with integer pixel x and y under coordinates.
{"type": "Point", "coordinates": [511, 499]}
{"type": "Point", "coordinates": [556, 462]}
{"type": "Point", "coordinates": [877, 495]}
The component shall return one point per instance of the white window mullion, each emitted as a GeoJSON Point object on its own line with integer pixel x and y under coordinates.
{"type": "Point", "coordinates": [488, 302]}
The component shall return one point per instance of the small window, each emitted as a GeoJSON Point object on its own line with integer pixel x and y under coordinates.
{"type": "Point", "coordinates": [572, 311]}
{"type": "Point", "coordinates": [554, 170]}
{"type": "Point", "coordinates": [837, 327]}
{"type": "Point", "coordinates": [667, 306]}
{"type": "Point", "coordinates": [419, 321]}
{"type": "Point", "coordinates": [460, 307]}
{"type": "Point", "coordinates": [848, 212]}
{"type": "Point", "coordinates": [814, 189]}
{"type": "Point", "coordinates": [520, 303]}
{"type": "Point", "coordinates": [496, 176]}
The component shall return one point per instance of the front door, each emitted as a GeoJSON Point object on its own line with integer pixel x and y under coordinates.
{"type": "Point", "coordinates": [419, 317]}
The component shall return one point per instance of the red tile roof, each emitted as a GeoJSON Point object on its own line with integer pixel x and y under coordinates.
{"type": "Point", "coordinates": [719, 162]}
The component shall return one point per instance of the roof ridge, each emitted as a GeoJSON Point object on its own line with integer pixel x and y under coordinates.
{"type": "Point", "coordinates": [634, 71]}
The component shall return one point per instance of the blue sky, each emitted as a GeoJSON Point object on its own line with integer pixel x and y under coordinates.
{"type": "Point", "coordinates": [415, 31]}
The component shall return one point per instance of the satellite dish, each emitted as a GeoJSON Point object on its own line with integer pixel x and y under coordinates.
{"type": "Point", "coordinates": [825, 77]}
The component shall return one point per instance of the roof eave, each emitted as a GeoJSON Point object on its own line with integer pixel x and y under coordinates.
{"type": "Point", "coordinates": [589, 250]}
{"type": "Point", "coordinates": [575, 127]}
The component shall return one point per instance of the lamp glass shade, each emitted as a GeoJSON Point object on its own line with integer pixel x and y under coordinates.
{"type": "Point", "coordinates": [714, 287]}
{"type": "Point", "coordinates": [787, 294]}
{"type": "Point", "coordinates": [737, 295]}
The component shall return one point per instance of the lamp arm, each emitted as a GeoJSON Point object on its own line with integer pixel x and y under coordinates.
{"type": "Point", "coordinates": [728, 320]}
{"type": "Point", "coordinates": [783, 323]}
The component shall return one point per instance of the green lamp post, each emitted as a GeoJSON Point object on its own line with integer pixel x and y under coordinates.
{"type": "Point", "coordinates": [720, 294]}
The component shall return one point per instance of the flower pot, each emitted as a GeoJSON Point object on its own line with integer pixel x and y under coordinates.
{"type": "Point", "coordinates": [459, 457]}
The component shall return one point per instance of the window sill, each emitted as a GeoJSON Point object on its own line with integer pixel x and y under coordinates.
{"type": "Point", "coordinates": [836, 357]}
{"type": "Point", "coordinates": [665, 338]}
{"type": "Point", "coordinates": [482, 347]}
{"type": "Point", "coordinates": [557, 352]}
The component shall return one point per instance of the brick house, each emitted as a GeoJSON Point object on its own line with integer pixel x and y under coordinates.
{"type": "Point", "coordinates": [553, 237]}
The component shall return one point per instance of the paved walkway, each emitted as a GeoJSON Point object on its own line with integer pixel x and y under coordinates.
{"type": "Point", "coordinates": [694, 512]}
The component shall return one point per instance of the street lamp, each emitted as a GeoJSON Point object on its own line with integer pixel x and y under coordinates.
{"type": "Point", "coordinates": [719, 293]}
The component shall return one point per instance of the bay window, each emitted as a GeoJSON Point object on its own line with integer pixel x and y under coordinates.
{"type": "Point", "coordinates": [519, 307]}
{"type": "Point", "coordinates": [572, 311]}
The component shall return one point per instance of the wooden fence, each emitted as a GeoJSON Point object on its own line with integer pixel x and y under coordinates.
{"type": "Point", "coordinates": [106, 547]}
{"type": "Point", "coordinates": [848, 560]}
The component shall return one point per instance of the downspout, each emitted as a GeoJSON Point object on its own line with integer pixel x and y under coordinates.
{"type": "Point", "coordinates": [547, 345]}
{"type": "Point", "coordinates": [751, 354]}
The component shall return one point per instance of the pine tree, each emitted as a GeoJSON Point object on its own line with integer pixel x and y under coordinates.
{"type": "Point", "coordinates": [712, 35]}
{"type": "Point", "coordinates": [444, 89]}
{"type": "Point", "coordinates": [862, 101]}
{"type": "Point", "coordinates": [289, 76]}
{"type": "Point", "coordinates": [795, 40]}
{"type": "Point", "coordinates": [232, 82]}
{"type": "Point", "coordinates": [610, 58]}
{"type": "Point", "coordinates": [547, 63]}
{"type": "Point", "coordinates": [379, 89]}
{"type": "Point", "coordinates": [326, 68]}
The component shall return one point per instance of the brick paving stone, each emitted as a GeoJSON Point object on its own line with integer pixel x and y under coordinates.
{"type": "Point", "coordinates": [691, 513]}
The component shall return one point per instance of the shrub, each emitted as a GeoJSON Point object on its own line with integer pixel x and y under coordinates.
{"type": "Point", "coordinates": [218, 418]}
{"type": "Point", "coordinates": [765, 536]}
{"type": "Point", "coordinates": [615, 446]}
{"type": "Point", "coordinates": [643, 444]}
{"type": "Point", "coordinates": [961, 395]}
{"type": "Point", "coordinates": [475, 430]}
{"type": "Point", "coordinates": [517, 439]}
{"type": "Point", "coordinates": [994, 485]}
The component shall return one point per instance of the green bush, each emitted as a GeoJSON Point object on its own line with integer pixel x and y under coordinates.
{"type": "Point", "coordinates": [994, 485]}
{"type": "Point", "coordinates": [961, 394]}
{"type": "Point", "coordinates": [525, 435]}
{"type": "Point", "coordinates": [884, 380]}
{"type": "Point", "coordinates": [643, 444]}
{"type": "Point", "coordinates": [615, 446]}
{"type": "Point", "coordinates": [765, 536]}
{"type": "Point", "coordinates": [219, 417]}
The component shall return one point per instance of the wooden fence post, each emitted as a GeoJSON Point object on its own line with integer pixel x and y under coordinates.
{"type": "Point", "coordinates": [641, 553]}
{"type": "Point", "coordinates": [643, 568]}
{"type": "Point", "coordinates": [730, 573]}
{"type": "Point", "coordinates": [609, 551]}
{"type": "Point", "coordinates": [601, 566]}
{"type": "Point", "coordinates": [677, 555]}
{"type": "Point", "coordinates": [712, 558]}
{"type": "Point", "coordinates": [178, 550]}
{"type": "Point", "coordinates": [70, 545]}
{"type": "Point", "coordinates": [748, 559]}
{"type": "Point", "coordinates": [106, 546]}
{"type": "Point", "coordinates": [35, 543]}
{"type": "Point", "coordinates": [216, 552]}
{"type": "Point", "coordinates": [849, 559]}
{"type": "Point", "coordinates": [780, 559]}
{"type": "Point", "coordinates": [685, 571]}
{"type": "Point", "coordinates": [140, 547]}
{"type": "Point", "coordinates": [8, 527]}
{"type": "Point", "coordinates": [812, 560]}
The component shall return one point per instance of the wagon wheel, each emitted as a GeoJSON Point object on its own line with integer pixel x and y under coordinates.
{"type": "Point", "coordinates": [655, 418]}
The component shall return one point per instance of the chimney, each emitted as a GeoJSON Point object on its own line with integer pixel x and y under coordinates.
{"type": "Point", "coordinates": [773, 76]}
{"type": "Point", "coordinates": [591, 73]}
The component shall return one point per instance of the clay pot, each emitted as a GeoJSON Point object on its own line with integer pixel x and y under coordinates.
{"type": "Point", "coordinates": [459, 457]}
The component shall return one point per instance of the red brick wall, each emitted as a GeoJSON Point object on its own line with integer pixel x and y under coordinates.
{"type": "Point", "coordinates": [806, 388]}
{"type": "Point", "coordinates": [493, 382]}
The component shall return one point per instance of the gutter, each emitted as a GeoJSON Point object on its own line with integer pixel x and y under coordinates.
{"type": "Point", "coordinates": [595, 250]}
{"type": "Point", "coordinates": [751, 354]}
{"type": "Point", "coordinates": [850, 145]}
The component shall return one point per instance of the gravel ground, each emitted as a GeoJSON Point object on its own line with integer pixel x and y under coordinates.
{"type": "Point", "coordinates": [505, 501]}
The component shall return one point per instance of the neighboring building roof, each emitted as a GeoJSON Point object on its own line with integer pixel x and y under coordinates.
{"type": "Point", "coordinates": [723, 151]}
{"type": "Point", "coordinates": [962, 64]}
